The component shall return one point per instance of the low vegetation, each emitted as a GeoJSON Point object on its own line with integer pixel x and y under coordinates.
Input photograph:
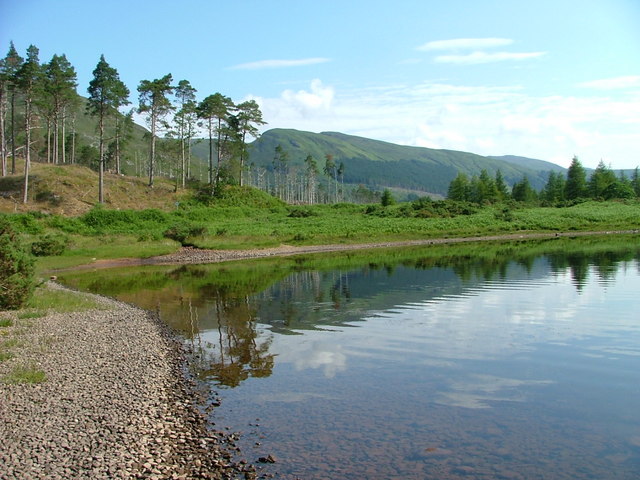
{"type": "Point", "coordinates": [242, 217]}
{"type": "Point", "coordinates": [15, 327]}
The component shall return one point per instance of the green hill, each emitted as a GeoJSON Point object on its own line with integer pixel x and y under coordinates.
{"type": "Point", "coordinates": [379, 164]}
{"type": "Point", "coordinates": [531, 163]}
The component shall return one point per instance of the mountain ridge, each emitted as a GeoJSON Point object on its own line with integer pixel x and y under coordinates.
{"type": "Point", "coordinates": [377, 163]}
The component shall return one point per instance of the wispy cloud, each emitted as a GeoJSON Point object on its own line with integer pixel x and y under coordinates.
{"type": "Point", "coordinates": [465, 44]}
{"type": "Point", "coordinates": [482, 57]}
{"type": "Point", "coordinates": [471, 51]}
{"type": "Point", "coordinates": [262, 64]}
{"type": "Point", "coordinates": [615, 83]}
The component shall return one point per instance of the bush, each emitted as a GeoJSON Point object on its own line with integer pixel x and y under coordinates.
{"type": "Point", "coordinates": [298, 212]}
{"type": "Point", "coordinates": [49, 245]}
{"type": "Point", "coordinates": [25, 222]}
{"type": "Point", "coordinates": [181, 231]}
{"type": "Point", "coordinates": [387, 198]}
{"type": "Point", "coordinates": [16, 269]}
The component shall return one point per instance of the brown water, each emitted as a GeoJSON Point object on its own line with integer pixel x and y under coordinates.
{"type": "Point", "coordinates": [419, 370]}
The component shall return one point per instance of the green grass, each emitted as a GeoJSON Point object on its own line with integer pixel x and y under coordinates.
{"type": "Point", "coordinates": [61, 301]}
{"type": "Point", "coordinates": [6, 322]}
{"type": "Point", "coordinates": [87, 249]}
{"type": "Point", "coordinates": [4, 356]}
{"type": "Point", "coordinates": [108, 234]}
{"type": "Point", "coordinates": [22, 374]}
{"type": "Point", "coordinates": [25, 315]}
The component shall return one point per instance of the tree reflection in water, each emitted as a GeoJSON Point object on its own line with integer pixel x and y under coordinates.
{"type": "Point", "coordinates": [237, 355]}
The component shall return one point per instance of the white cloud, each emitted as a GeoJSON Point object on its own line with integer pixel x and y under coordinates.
{"type": "Point", "coordinates": [262, 64]}
{"type": "Point", "coordinates": [465, 43]}
{"type": "Point", "coordinates": [615, 83]}
{"type": "Point", "coordinates": [296, 106]}
{"type": "Point", "coordinates": [482, 57]}
{"type": "Point", "coordinates": [482, 120]}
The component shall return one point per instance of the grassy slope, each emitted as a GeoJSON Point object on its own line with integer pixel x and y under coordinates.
{"type": "Point", "coordinates": [73, 190]}
{"type": "Point", "coordinates": [377, 163]}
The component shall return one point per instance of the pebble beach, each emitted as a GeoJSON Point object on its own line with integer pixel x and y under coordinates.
{"type": "Point", "coordinates": [116, 402]}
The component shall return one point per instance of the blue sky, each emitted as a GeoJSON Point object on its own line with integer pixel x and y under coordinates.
{"type": "Point", "coordinates": [543, 79]}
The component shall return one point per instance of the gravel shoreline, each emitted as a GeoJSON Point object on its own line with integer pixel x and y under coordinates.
{"type": "Point", "coordinates": [116, 403]}
{"type": "Point", "coordinates": [191, 255]}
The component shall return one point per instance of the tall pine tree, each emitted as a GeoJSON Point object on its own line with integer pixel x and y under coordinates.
{"type": "Point", "coordinates": [214, 110]}
{"type": "Point", "coordinates": [249, 119]}
{"type": "Point", "coordinates": [576, 185]}
{"type": "Point", "coordinates": [106, 93]}
{"type": "Point", "coordinates": [59, 90]}
{"type": "Point", "coordinates": [9, 66]}
{"type": "Point", "coordinates": [154, 102]}
{"type": "Point", "coordinates": [29, 81]}
{"type": "Point", "coordinates": [185, 120]}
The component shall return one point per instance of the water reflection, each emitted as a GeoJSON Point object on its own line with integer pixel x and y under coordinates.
{"type": "Point", "coordinates": [487, 361]}
{"type": "Point", "coordinates": [223, 310]}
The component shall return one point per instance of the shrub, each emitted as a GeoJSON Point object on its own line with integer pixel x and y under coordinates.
{"type": "Point", "coordinates": [181, 231]}
{"type": "Point", "coordinates": [387, 198]}
{"type": "Point", "coordinates": [25, 222]}
{"type": "Point", "coordinates": [297, 212]}
{"type": "Point", "coordinates": [49, 245]}
{"type": "Point", "coordinates": [16, 269]}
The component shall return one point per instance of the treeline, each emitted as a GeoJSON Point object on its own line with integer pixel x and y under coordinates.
{"type": "Point", "coordinates": [559, 189]}
{"type": "Point", "coordinates": [43, 96]}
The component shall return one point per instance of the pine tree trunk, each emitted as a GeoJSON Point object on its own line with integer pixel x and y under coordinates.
{"type": "Point", "coordinates": [210, 154]}
{"type": "Point", "coordinates": [73, 140]}
{"type": "Point", "coordinates": [64, 135]}
{"type": "Point", "coordinates": [189, 159]}
{"type": "Point", "coordinates": [48, 140]}
{"type": "Point", "coordinates": [117, 140]}
{"type": "Point", "coordinates": [183, 161]}
{"type": "Point", "coordinates": [13, 133]}
{"type": "Point", "coordinates": [152, 152]}
{"type": "Point", "coordinates": [56, 138]}
{"type": "Point", "coordinates": [101, 162]}
{"type": "Point", "coordinates": [3, 139]}
{"type": "Point", "coordinates": [27, 157]}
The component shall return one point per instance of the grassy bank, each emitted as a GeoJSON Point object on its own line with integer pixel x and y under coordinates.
{"type": "Point", "coordinates": [103, 234]}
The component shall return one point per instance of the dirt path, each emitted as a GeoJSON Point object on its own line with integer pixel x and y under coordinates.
{"type": "Point", "coordinates": [190, 255]}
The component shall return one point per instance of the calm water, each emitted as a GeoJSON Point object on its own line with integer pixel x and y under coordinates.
{"type": "Point", "coordinates": [514, 366]}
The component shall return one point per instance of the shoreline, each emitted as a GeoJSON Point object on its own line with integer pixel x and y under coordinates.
{"type": "Point", "coordinates": [192, 255]}
{"type": "Point", "coordinates": [117, 402]}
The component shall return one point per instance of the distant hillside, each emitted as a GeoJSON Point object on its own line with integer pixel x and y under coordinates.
{"type": "Point", "coordinates": [378, 164]}
{"type": "Point", "coordinates": [531, 163]}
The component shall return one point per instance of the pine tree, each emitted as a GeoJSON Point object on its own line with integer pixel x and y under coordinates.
{"type": "Point", "coordinates": [600, 180]}
{"type": "Point", "coordinates": [106, 93]}
{"type": "Point", "coordinates": [635, 182]}
{"type": "Point", "coordinates": [522, 191]}
{"type": "Point", "coordinates": [249, 119]}
{"type": "Point", "coordinates": [387, 198]}
{"type": "Point", "coordinates": [214, 110]}
{"type": "Point", "coordinates": [554, 190]}
{"type": "Point", "coordinates": [154, 102]}
{"type": "Point", "coordinates": [28, 80]}
{"type": "Point", "coordinates": [9, 66]}
{"type": "Point", "coordinates": [185, 120]}
{"type": "Point", "coordinates": [501, 186]}
{"type": "Point", "coordinates": [459, 188]}
{"type": "Point", "coordinates": [311, 174]}
{"type": "Point", "coordinates": [330, 171]}
{"type": "Point", "coordinates": [59, 89]}
{"type": "Point", "coordinates": [576, 186]}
